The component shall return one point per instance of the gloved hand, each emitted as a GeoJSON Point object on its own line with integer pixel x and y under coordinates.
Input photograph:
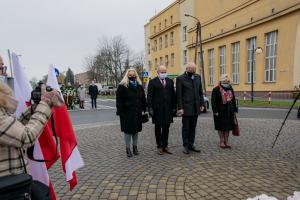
{"type": "Point", "coordinates": [52, 98]}
{"type": "Point", "coordinates": [151, 113]}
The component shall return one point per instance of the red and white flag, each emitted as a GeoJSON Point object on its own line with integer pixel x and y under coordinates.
{"type": "Point", "coordinates": [70, 156]}
{"type": "Point", "coordinates": [45, 147]}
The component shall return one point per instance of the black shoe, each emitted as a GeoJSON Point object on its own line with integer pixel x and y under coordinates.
{"type": "Point", "coordinates": [128, 152]}
{"type": "Point", "coordinates": [160, 151]}
{"type": "Point", "coordinates": [194, 149]}
{"type": "Point", "coordinates": [135, 150]}
{"type": "Point", "coordinates": [186, 150]}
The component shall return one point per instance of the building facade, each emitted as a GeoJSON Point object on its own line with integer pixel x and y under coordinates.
{"type": "Point", "coordinates": [231, 31]}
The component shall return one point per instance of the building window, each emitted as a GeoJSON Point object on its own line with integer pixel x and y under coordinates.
{"type": "Point", "coordinates": [172, 59]}
{"type": "Point", "coordinates": [251, 46]}
{"type": "Point", "coordinates": [155, 45]}
{"type": "Point", "coordinates": [148, 48]}
{"type": "Point", "coordinates": [149, 65]}
{"type": "Point", "coordinates": [160, 43]}
{"type": "Point", "coordinates": [160, 61]}
{"type": "Point", "coordinates": [166, 60]}
{"type": "Point", "coordinates": [222, 53]}
{"type": "Point", "coordinates": [166, 40]}
{"type": "Point", "coordinates": [211, 66]}
{"type": "Point", "coordinates": [185, 57]}
{"type": "Point", "coordinates": [271, 51]}
{"type": "Point", "coordinates": [172, 38]}
{"type": "Point", "coordinates": [184, 33]}
{"type": "Point", "coordinates": [171, 19]}
{"type": "Point", "coordinates": [165, 23]}
{"type": "Point", "coordinates": [154, 29]}
{"type": "Point", "coordinates": [235, 62]}
{"type": "Point", "coordinates": [156, 62]}
{"type": "Point", "coordinates": [160, 26]}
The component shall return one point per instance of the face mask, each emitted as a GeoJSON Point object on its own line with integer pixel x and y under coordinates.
{"type": "Point", "coordinates": [162, 75]}
{"type": "Point", "coordinates": [190, 74]}
{"type": "Point", "coordinates": [11, 104]}
{"type": "Point", "coordinates": [132, 78]}
{"type": "Point", "coordinates": [226, 85]}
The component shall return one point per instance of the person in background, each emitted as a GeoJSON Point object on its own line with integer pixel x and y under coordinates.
{"type": "Point", "coordinates": [130, 103]}
{"type": "Point", "coordinates": [190, 102]}
{"type": "Point", "coordinates": [224, 108]}
{"type": "Point", "coordinates": [93, 92]}
{"type": "Point", "coordinates": [81, 95]}
{"type": "Point", "coordinates": [161, 100]}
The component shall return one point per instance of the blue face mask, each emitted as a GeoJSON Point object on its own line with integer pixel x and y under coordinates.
{"type": "Point", "coordinates": [226, 85]}
{"type": "Point", "coordinates": [162, 75]}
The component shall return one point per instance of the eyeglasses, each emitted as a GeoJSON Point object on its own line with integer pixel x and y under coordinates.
{"type": "Point", "coordinates": [3, 69]}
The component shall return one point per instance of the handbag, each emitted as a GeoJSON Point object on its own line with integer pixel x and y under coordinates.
{"type": "Point", "coordinates": [145, 118]}
{"type": "Point", "coordinates": [16, 187]}
{"type": "Point", "coordinates": [236, 128]}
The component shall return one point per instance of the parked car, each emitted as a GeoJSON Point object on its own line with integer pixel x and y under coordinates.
{"type": "Point", "coordinates": [106, 90]}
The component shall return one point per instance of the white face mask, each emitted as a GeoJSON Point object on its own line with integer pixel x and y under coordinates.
{"type": "Point", "coordinates": [162, 75]}
{"type": "Point", "coordinates": [11, 104]}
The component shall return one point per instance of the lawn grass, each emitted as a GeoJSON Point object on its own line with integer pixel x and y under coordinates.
{"type": "Point", "coordinates": [263, 103]}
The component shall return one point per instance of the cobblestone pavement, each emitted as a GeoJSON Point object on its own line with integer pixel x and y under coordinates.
{"type": "Point", "coordinates": [249, 169]}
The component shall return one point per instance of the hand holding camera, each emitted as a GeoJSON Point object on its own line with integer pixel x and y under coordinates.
{"type": "Point", "coordinates": [51, 97]}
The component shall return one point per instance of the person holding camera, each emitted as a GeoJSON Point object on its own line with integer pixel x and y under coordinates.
{"type": "Point", "coordinates": [130, 103]}
{"type": "Point", "coordinates": [17, 135]}
{"type": "Point", "coordinates": [162, 106]}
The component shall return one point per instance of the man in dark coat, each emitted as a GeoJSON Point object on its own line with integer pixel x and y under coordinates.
{"type": "Point", "coordinates": [93, 91]}
{"type": "Point", "coordinates": [162, 105]}
{"type": "Point", "coordinates": [190, 103]}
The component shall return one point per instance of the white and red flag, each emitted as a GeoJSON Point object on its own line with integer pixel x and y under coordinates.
{"type": "Point", "coordinates": [45, 147]}
{"type": "Point", "coordinates": [70, 156]}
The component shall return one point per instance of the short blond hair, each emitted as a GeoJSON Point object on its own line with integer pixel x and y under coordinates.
{"type": "Point", "coordinates": [224, 77]}
{"type": "Point", "coordinates": [4, 90]}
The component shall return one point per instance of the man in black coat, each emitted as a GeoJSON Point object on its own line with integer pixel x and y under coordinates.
{"type": "Point", "coordinates": [162, 105]}
{"type": "Point", "coordinates": [93, 91]}
{"type": "Point", "coordinates": [190, 103]}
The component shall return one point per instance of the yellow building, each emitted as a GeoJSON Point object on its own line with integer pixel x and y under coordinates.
{"type": "Point", "coordinates": [230, 30]}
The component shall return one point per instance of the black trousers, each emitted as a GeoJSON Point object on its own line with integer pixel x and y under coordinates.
{"type": "Point", "coordinates": [94, 102]}
{"type": "Point", "coordinates": [189, 124]}
{"type": "Point", "coordinates": [81, 104]}
{"type": "Point", "coordinates": [162, 135]}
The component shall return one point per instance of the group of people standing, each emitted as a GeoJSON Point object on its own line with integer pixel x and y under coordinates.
{"type": "Point", "coordinates": [163, 102]}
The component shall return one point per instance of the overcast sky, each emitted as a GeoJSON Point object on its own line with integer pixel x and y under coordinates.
{"type": "Point", "coordinates": [64, 32]}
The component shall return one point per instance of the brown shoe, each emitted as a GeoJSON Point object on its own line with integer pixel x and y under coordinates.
{"type": "Point", "coordinates": [160, 151]}
{"type": "Point", "coordinates": [166, 150]}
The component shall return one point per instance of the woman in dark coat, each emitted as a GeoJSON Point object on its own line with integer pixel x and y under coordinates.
{"type": "Point", "coordinates": [131, 102]}
{"type": "Point", "coordinates": [224, 108]}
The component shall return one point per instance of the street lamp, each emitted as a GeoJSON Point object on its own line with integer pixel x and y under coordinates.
{"type": "Point", "coordinates": [198, 33]}
{"type": "Point", "coordinates": [256, 50]}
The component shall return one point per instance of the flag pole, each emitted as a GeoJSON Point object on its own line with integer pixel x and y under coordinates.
{"type": "Point", "coordinates": [10, 63]}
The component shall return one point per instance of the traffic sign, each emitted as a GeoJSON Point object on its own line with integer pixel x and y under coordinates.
{"type": "Point", "coordinates": [145, 74]}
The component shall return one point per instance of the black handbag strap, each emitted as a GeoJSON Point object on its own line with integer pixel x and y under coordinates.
{"type": "Point", "coordinates": [31, 149]}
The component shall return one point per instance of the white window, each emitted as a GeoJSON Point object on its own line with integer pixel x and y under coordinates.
{"type": "Point", "coordinates": [184, 33]}
{"type": "Point", "coordinates": [236, 62]}
{"type": "Point", "coordinates": [159, 26]}
{"type": "Point", "coordinates": [172, 60]}
{"type": "Point", "coordinates": [222, 53]}
{"type": "Point", "coordinates": [271, 51]}
{"type": "Point", "coordinates": [154, 29]}
{"type": "Point", "coordinates": [185, 57]}
{"type": "Point", "coordinates": [251, 46]}
{"type": "Point", "coordinates": [155, 45]}
{"type": "Point", "coordinates": [149, 65]}
{"type": "Point", "coordinates": [172, 38]}
{"type": "Point", "coordinates": [160, 43]}
{"type": "Point", "coordinates": [166, 60]}
{"type": "Point", "coordinates": [166, 40]}
{"type": "Point", "coordinates": [165, 23]}
{"type": "Point", "coordinates": [211, 66]}
{"type": "Point", "coordinates": [171, 19]}
{"type": "Point", "coordinates": [156, 64]}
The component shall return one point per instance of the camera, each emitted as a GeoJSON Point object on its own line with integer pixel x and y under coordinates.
{"type": "Point", "coordinates": [36, 94]}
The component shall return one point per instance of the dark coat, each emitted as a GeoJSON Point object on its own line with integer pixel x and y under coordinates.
{"type": "Point", "coordinates": [93, 91]}
{"type": "Point", "coordinates": [162, 100]}
{"type": "Point", "coordinates": [131, 102]}
{"type": "Point", "coordinates": [189, 94]}
{"type": "Point", "coordinates": [224, 121]}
